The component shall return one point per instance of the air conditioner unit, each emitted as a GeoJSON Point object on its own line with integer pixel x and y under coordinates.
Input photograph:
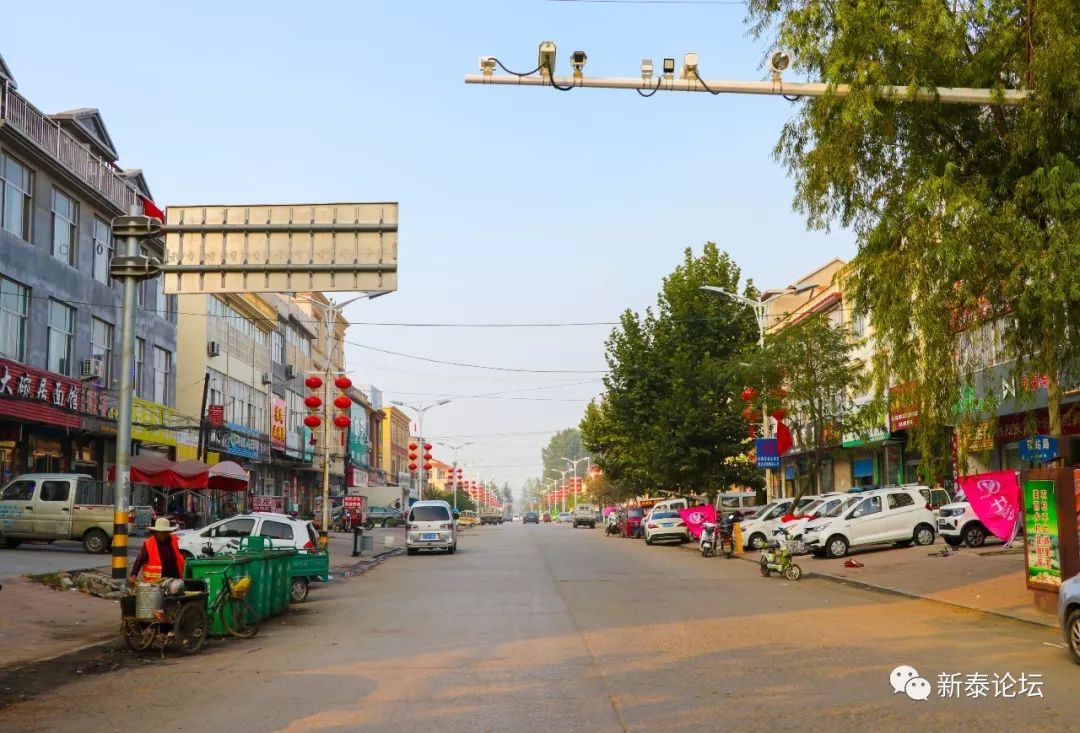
{"type": "Point", "coordinates": [266, 378]}
{"type": "Point", "coordinates": [290, 371]}
{"type": "Point", "coordinates": [92, 369]}
{"type": "Point", "coordinates": [213, 348]}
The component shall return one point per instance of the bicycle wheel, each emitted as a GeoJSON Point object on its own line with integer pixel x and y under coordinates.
{"type": "Point", "coordinates": [189, 631]}
{"type": "Point", "coordinates": [238, 618]}
{"type": "Point", "coordinates": [137, 637]}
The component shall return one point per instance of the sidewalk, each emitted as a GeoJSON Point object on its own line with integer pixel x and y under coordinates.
{"type": "Point", "coordinates": [989, 579]}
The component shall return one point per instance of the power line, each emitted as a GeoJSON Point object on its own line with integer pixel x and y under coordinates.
{"type": "Point", "coordinates": [477, 366]}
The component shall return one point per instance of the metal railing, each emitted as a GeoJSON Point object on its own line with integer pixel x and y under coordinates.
{"type": "Point", "coordinates": [50, 137]}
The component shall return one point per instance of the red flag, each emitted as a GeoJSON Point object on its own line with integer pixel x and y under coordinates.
{"type": "Point", "coordinates": [783, 438]}
{"type": "Point", "coordinates": [151, 209]}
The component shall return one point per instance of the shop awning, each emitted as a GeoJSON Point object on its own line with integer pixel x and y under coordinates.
{"type": "Point", "coordinates": [227, 476]}
{"type": "Point", "coordinates": [161, 472]}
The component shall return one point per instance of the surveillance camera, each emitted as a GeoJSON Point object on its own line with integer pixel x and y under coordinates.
{"type": "Point", "coordinates": [646, 68]}
{"type": "Point", "coordinates": [689, 68]}
{"type": "Point", "coordinates": [578, 59]}
{"type": "Point", "coordinates": [669, 67]}
{"type": "Point", "coordinates": [546, 60]}
{"type": "Point", "coordinates": [779, 62]}
{"type": "Point", "coordinates": [487, 65]}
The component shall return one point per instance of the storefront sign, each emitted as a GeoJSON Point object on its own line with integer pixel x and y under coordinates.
{"type": "Point", "coordinates": [216, 415]}
{"type": "Point", "coordinates": [262, 503]}
{"type": "Point", "coordinates": [39, 396]}
{"type": "Point", "coordinates": [277, 422]}
{"type": "Point", "coordinates": [356, 477]}
{"type": "Point", "coordinates": [154, 423]}
{"type": "Point", "coordinates": [353, 502]}
{"type": "Point", "coordinates": [1038, 448]}
{"type": "Point", "coordinates": [1041, 549]}
{"type": "Point", "coordinates": [358, 436]}
{"type": "Point", "coordinates": [903, 407]}
{"type": "Point", "coordinates": [237, 440]}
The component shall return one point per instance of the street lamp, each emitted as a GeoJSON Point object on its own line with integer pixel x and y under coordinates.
{"type": "Point", "coordinates": [562, 480]}
{"type": "Point", "coordinates": [420, 409]}
{"type": "Point", "coordinates": [554, 483]}
{"type": "Point", "coordinates": [758, 307]}
{"type": "Point", "coordinates": [574, 463]}
{"type": "Point", "coordinates": [453, 472]}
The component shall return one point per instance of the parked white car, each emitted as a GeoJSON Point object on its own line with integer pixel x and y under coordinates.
{"type": "Point", "coordinates": [822, 506]}
{"type": "Point", "coordinates": [430, 527]}
{"type": "Point", "coordinates": [665, 525]}
{"type": "Point", "coordinates": [758, 530]}
{"type": "Point", "coordinates": [959, 525]}
{"type": "Point", "coordinates": [900, 515]}
{"type": "Point", "coordinates": [278, 530]}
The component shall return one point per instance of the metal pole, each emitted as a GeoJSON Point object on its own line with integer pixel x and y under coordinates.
{"type": "Point", "coordinates": [122, 482]}
{"type": "Point", "coordinates": [420, 426]}
{"type": "Point", "coordinates": [324, 528]}
{"type": "Point", "coordinates": [760, 313]}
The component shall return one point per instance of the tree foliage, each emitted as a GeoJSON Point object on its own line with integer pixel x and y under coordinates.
{"type": "Point", "coordinates": [669, 418]}
{"type": "Point", "coordinates": [563, 444]}
{"type": "Point", "coordinates": [958, 209]}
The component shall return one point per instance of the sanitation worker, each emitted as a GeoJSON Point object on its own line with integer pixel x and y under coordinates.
{"type": "Point", "coordinates": [160, 555]}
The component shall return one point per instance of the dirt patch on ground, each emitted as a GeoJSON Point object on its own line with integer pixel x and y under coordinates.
{"type": "Point", "coordinates": [25, 682]}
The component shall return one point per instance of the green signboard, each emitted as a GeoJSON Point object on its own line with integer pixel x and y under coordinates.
{"type": "Point", "coordinates": [1042, 550]}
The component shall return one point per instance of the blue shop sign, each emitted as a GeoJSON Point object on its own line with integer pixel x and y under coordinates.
{"type": "Point", "coordinates": [1038, 448]}
{"type": "Point", "coordinates": [768, 453]}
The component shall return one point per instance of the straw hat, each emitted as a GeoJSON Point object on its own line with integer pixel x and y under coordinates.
{"type": "Point", "coordinates": [162, 525]}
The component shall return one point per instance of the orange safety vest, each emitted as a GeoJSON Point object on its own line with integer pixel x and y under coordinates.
{"type": "Point", "coordinates": [152, 569]}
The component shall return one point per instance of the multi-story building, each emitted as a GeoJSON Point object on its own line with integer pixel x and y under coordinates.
{"type": "Point", "coordinates": [395, 455]}
{"type": "Point", "coordinates": [60, 188]}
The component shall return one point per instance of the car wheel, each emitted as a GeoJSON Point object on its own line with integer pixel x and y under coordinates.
{"type": "Point", "coordinates": [298, 593]}
{"type": "Point", "coordinates": [974, 535]}
{"type": "Point", "coordinates": [953, 541]}
{"type": "Point", "coordinates": [757, 541]}
{"type": "Point", "coordinates": [924, 535]}
{"type": "Point", "coordinates": [836, 547]}
{"type": "Point", "coordinates": [452, 549]}
{"type": "Point", "coordinates": [648, 540]}
{"type": "Point", "coordinates": [10, 543]}
{"type": "Point", "coordinates": [95, 541]}
{"type": "Point", "coordinates": [1072, 624]}
{"type": "Point", "coordinates": [411, 550]}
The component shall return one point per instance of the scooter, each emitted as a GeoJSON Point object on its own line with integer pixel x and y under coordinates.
{"type": "Point", "coordinates": [707, 540]}
{"type": "Point", "coordinates": [776, 558]}
{"type": "Point", "coordinates": [726, 541]}
{"type": "Point", "coordinates": [612, 526]}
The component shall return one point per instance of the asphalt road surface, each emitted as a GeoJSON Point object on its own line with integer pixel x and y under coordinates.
{"type": "Point", "coordinates": [547, 628]}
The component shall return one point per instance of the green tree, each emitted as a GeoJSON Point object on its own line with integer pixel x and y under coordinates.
{"type": "Point", "coordinates": [563, 444]}
{"type": "Point", "coordinates": [961, 212]}
{"type": "Point", "coordinates": [669, 418]}
{"type": "Point", "coordinates": [812, 362]}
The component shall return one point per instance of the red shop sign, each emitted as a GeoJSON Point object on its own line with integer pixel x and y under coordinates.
{"type": "Point", "coordinates": [35, 395]}
{"type": "Point", "coordinates": [216, 414]}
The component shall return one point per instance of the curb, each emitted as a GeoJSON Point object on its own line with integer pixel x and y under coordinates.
{"type": "Point", "coordinates": [864, 585]}
{"type": "Point", "coordinates": [363, 566]}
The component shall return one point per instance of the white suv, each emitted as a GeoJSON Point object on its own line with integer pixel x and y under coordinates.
{"type": "Point", "coordinates": [959, 525]}
{"type": "Point", "coordinates": [430, 526]}
{"type": "Point", "coordinates": [900, 515]}
{"type": "Point", "coordinates": [277, 530]}
{"type": "Point", "coordinates": [758, 530]}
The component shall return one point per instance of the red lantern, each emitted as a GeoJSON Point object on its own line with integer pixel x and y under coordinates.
{"type": "Point", "coordinates": [749, 414]}
{"type": "Point", "coordinates": [313, 421]}
{"type": "Point", "coordinates": [779, 413]}
{"type": "Point", "coordinates": [412, 456]}
{"type": "Point", "coordinates": [412, 466]}
{"type": "Point", "coordinates": [427, 456]}
{"type": "Point", "coordinates": [341, 422]}
{"type": "Point", "coordinates": [427, 466]}
{"type": "Point", "coordinates": [460, 472]}
{"type": "Point", "coordinates": [412, 446]}
{"type": "Point", "coordinates": [746, 395]}
{"type": "Point", "coordinates": [313, 401]}
{"type": "Point", "coordinates": [427, 446]}
{"type": "Point", "coordinates": [342, 382]}
{"type": "Point", "coordinates": [342, 402]}
{"type": "Point", "coordinates": [313, 382]}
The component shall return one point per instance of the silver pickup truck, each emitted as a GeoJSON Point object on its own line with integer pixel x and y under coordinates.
{"type": "Point", "coordinates": [58, 506]}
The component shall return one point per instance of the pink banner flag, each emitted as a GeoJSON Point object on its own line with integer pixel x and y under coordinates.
{"type": "Point", "coordinates": [995, 499]}
{"type": "Point", "coordinates": [696, 516]}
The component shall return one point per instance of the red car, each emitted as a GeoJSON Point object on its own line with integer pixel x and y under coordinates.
{"type": "Point", "coordinates": [546, 518]}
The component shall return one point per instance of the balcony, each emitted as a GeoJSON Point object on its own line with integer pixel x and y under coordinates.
{"type": "Point", "coordinates": [47, 135]}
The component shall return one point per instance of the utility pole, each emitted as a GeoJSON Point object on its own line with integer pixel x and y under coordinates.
{"type": "Point", "coordinates": [420, 409]}
{"type": "Point", "coordinates": [453, 472]}
{"type": "Point", "coordinates": [574, 464]}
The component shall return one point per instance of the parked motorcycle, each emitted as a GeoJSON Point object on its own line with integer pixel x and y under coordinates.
{"type": "Point", "coordinates": [612, 526]}
{"type": "Point", "coordinates": [726, 537]}
{"type": "Point", "coordinates": [707, 540]}
{"type": "Point", "coordinates": [776, 557]}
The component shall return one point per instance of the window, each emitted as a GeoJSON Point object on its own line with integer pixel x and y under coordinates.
{"type": "Point", "coordinates": [18, 491]}
{"type": "Point", "coordinates": [103, 250]}
{"type": "Point", "coordinates": [65, 220]}
{"type": "Point", "coordinates": [61, 331]}
{"type": "Point", "coordinates": [162, 367]}
{"type": "Point", "coordinates": [870, 505]}
{"type": "Point", "coordinates": [54, 491]}
{"type": "Point", "coordinates": [430, 513]}
{"type": "Point", "coordinates": [233, 528]}
{"type": "Point", "coordinates": [897, 501]}
{"type": "Point", "coordinates": [15, 187]}
{"type": "Point", "coordinates": [278, 350]}
{"type": "Point", "coordinates": [101, 348]}
{"type": "Point", "coordinates": [858, 325]}
{"type": "Point", "coordinates": [140, 360]}
{"type": "Point", "coordinates": [276, 530]}
{"type": "Point", "coordinates": [14, 306]}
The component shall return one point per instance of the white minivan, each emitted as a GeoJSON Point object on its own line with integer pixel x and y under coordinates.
{"type": "Point", "coordinates": [430, 525]}
{"type": "Point", "coordinates": [900, 515]}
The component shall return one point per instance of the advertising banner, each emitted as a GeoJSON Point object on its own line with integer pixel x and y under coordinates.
{"type": "Point", "coordinates": [768, 453]}
{"type": "Point", "coordinates": [1041, 549]}
{"type": "Point", "coordinates": [277, 422]}
{"type": "Point", "coordinates": [995, 499]}
{"type": "Point", "coordinates": [696, 516]}
{"type": "Point", "coordinates": [903, 408]}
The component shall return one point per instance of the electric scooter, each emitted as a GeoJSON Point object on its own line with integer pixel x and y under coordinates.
{"type": "Point", "coordinates": [707, 540]}
{"type": "Point", "coordinates": [776, 557]}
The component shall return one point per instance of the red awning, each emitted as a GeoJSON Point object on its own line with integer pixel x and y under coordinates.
{"type": "Point", "coordinates": [228, 476]}
{"type": "Point", "coordinates": [157, 471]}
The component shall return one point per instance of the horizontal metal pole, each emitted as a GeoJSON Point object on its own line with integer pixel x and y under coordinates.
{"type": "Point", "coordinates": [294, 228]}
{"type": "Point", "coordinates": [949, 95]}
{"type": "Point", "coordinates": [297, 268]}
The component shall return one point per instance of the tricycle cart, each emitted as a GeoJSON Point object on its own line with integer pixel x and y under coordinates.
{"type": "Point", "coordinates": [169, 613]}
{"type": "Point", "coordinates": [308, 567]}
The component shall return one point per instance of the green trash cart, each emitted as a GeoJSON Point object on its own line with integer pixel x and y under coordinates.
{"type": "Point", "coordinates": [307, 568]}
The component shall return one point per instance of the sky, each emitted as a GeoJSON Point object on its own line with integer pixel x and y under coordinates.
{"type": "Point", "coordinates": [517, 205]}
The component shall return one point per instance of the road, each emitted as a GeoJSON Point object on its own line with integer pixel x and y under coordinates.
{"type": "Point", "coordinates": [547, 628]}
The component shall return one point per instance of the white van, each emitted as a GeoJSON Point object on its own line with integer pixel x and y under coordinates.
{"type": "Point", "coordinates": [430, 525]}
{"type": "Point", "coordinates": [742, 503]}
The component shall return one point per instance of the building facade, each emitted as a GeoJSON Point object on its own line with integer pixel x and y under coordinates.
{"type": "Point", "coordinates": [60, 188]}
{"type": "Point", "coordinates": [395, 455]}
